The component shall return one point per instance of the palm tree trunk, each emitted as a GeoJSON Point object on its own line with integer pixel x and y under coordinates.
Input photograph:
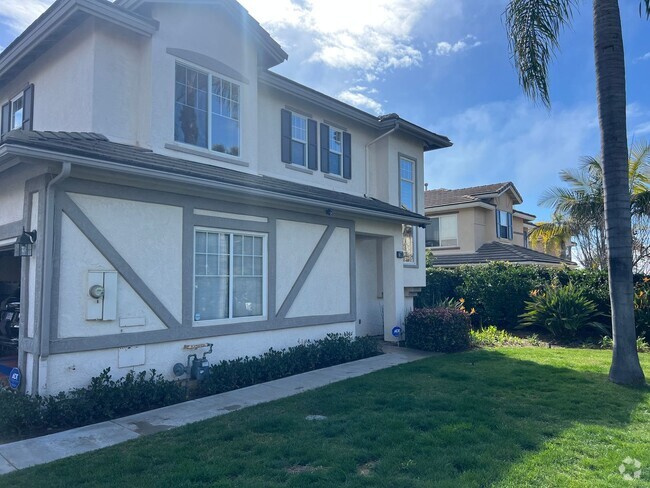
{"type": "Point", "coordinates": [610, 85]}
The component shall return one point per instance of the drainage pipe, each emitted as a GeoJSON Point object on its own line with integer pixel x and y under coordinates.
{"type": "Point", "coordinates": [368, 158]}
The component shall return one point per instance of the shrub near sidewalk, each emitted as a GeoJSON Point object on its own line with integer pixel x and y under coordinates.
{"type": "Point", "coordinates": [272, 365]}
{"type": "Point", "coordinates": [440, 329]}
{"type": "Point", "coordinates": [105, 398]}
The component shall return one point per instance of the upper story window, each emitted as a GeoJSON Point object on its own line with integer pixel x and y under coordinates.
{"type": "Point", "coordinates": [504, 224]}
{"type": "Point", "coordinates": [17, 112]}
{"type": "Point", "coordinates": [336, 151]}
{"type": "Point", "coordinates": [407, 201]}
{"type": "Point", "coordinates": [17, 107]}
{"type": "Point", "coordinates": [229, 275]}
{"type": "Point", "coordinates": [298, 139]}
{"type": "Point", "coordinates": [207, 111]}
{"type": "Point", "coordinates": [407, 183]}
{"type": "Point", "coordinates": [442, 231]}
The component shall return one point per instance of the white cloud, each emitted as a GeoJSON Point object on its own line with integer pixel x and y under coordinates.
{"type": "Point", "coordinates": [358, 97]}
{"type": "Point", "coordinates": [445, 48]}
{"type": "Point", "coordinates": [18, 14]}
{"type": "Point", "coordinates": [645, 57]}
{"type": "Point", "coordinates": [642, 129]}
{"type": "Point", "coordinates": [513, 140]}
{"type": "Point", "coordinates": [368, 35]}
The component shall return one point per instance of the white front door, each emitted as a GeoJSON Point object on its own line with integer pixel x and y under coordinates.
{"type": "Point", "coordinates": [370, 316]}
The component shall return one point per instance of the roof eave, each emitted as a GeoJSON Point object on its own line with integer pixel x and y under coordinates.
{"type": "Point", "coordinates": [56, 16]}
{"type": "Point", "coordinates": [458, 206]}
{"type": "Point", "coordinates": [10, 152]}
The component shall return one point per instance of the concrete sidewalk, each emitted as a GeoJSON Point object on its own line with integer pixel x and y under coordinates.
{"type": "Point", "coordinates": [40, 450]}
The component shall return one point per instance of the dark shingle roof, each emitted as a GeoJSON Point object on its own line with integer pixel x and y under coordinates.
{"type": "Point", "coordinates": [98, 147]}
{"type": "Point", "coordinates": [441, 196]}
{"type": "Point", "coordinates": [498, 251]}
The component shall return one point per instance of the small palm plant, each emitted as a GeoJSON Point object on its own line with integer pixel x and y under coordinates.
{"type": "Point", "coordinates": [562, 310]}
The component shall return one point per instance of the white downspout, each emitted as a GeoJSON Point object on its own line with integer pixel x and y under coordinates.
{"type": "Point", "coordinates": [367, 156]}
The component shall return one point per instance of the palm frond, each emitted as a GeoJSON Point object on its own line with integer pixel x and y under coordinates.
{"type": "Point", "coordinates": [533, 28]}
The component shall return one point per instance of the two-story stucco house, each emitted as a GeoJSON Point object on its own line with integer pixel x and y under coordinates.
{"type": "Point", "coordinates": [182, 194]}
{"type": "Point", "coordinates": [480, 224]}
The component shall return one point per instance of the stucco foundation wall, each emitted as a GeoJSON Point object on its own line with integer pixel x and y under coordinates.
{"type": "Point", "coordinates": [66, 371]}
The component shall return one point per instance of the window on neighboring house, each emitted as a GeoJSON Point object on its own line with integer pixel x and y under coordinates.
{"type": "Point", "coordinates": [17, 112]}
{"type": "Point", "coordinates": [207, 111]}
{"type": "Point", "coordinates": [442, 231]}
{"type": "Point", "coordinates": [229, 275]}
{"type": "Point", "coordinates": [504, 224]}
{"type": "Point", "coordinates": [299, 145]}
{"type": "Point", "coordinates": [336, 151]}
{"type": "Point", "coordinates": [526, 238]}
{"type": "Point", "coordinates": [407, 201]}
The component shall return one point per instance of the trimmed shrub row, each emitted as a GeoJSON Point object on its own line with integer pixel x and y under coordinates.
{"type": "Point", "coordinates": [272, 365]}
{"type": "Point", "coordinates": [105, 398]}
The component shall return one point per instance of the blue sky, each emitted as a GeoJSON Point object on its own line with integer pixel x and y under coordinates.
{"type": "Point", "coordinates": [444, 64]}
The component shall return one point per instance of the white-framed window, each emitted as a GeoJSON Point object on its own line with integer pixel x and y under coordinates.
{"type": "Point", "coordinates": [230, 269]}
{"type": "Point", "coordinates": [335, 151]}
{"type": "Point", "coordinates": [504, 224]}
{"type": "Point", "coordinates": [207, 111]}
{"type": "Point", "coordinates": [298, 139]}
{"type": "Point", "coordinates": [17, 106]}
{"type": "Point", "coordinates": [442, 231]}
{"type": "Point", "coordinates": [407, 201]}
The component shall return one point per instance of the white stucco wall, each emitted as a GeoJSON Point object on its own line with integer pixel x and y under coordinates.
{"type": "Point", "coordinates": [296, 242]}
{"type": "Point", "coordinates": [78, 256]}
{"type": "Point", "coordinates": [66, 371]}
{"type": "Point", "coordinates": [327, 288]}
{"type": "Point", "coordinates": [148, 236]}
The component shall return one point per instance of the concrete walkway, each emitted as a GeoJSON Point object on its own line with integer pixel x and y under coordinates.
{"type": "Point", "coordinates": [40, 450]}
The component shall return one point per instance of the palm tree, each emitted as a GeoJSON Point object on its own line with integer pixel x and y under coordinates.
{"type": "Point", "coordinates": [534, 27]}
{"type": "Point", "coordinates": [579, 210]}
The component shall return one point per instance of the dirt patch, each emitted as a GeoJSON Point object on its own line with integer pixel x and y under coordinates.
{"type": "Point", "coordinates": [366, 469]}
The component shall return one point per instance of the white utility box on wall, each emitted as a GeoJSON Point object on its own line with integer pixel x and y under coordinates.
{"type": "Point", "coordinates": [102, 295]}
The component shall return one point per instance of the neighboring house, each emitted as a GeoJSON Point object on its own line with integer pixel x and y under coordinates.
{"type": "Point", "coordinates": [481, 224]}
{"type": "Point", "coordinates": [182, 194]}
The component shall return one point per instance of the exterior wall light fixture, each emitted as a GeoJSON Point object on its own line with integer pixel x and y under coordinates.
{"type": "Point", "coordinates": [24, 244]}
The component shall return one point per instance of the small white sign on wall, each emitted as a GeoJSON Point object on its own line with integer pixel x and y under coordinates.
{"type": "Point", "coordinates": [128, 357]}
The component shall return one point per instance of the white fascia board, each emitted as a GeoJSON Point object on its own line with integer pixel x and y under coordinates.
{"type": "Point", "coordinates": [524, 215]}
{"type": "Point", "coordinates": [17, 151]}
{"type": "Point", "coordinates": [456, 206]}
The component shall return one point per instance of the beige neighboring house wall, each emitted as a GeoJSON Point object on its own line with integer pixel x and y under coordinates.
{"type": "Point", "coordinates": [477, 240]}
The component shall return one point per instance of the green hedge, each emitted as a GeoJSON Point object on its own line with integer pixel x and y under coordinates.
{"type": "Point", "coordinates": [440, 329]}
{"type": "Point", "coordinates": [333, 349]}
{"type": "Point", "coordinates": [105, 398]}
{"type": "Point", "coordinates": [498, 291]}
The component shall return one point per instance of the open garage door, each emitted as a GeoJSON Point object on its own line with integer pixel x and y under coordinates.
{"type": "Point", "coordinates": [10, 270]}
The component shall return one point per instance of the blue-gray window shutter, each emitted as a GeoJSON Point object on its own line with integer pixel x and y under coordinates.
{"type": "Point", "coordinates": [6, 114]}
{"type": "Point", "coordinates": [286, 136]}
{"type": "Point", "coordinates": [325, 148]}
{"type": "Point", "coordinates": [509, 226]}
{"type": "Point", "coordinates": [28, 108]}
{"type": "Point", "coordinates": [347, 156]}
{"type": "Point", "coordinates": [312, 144]}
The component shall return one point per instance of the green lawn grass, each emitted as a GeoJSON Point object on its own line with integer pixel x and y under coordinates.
{"type": "Point", "coordinates": [503, 417]}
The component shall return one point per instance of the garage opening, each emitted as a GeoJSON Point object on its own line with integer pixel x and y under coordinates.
{"type": "Point", "coordinates": [10, 269]}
